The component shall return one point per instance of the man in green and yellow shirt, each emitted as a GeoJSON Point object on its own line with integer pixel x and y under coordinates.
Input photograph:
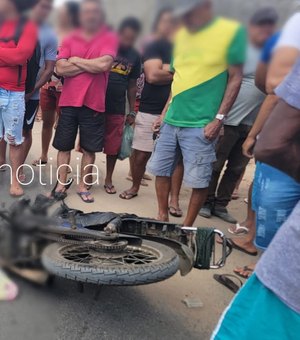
{"type": "Point", "coordinates": [208, 60]}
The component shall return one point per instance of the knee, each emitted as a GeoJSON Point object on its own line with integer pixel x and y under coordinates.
{"type": "Point", "coordinates": [11, 140]}
{"type": "Point", "coordinates": [141, 158]}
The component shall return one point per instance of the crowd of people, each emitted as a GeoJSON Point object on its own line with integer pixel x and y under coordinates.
{"type": "Point", "coordinates": [204, 94]}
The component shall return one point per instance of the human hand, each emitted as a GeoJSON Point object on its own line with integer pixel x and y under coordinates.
{"type": "Point", "coordinates": [130, 119]}
{"type": "Point", "coordinates": [248, 147]}
{"type": "Point", "coordinates": [213, 129]}
{"type": "Point", "coordinates": [157, 124]}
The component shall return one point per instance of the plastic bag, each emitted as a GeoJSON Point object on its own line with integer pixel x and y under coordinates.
{"type": "Point", "coordinates": [126, 148]}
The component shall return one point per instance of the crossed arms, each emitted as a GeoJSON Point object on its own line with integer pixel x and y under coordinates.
{"type": "Point", "coordinates": [74, 66]}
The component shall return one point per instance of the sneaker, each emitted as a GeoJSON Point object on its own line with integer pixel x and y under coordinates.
{"type": "Point", "coordinates": [223, 214]}
{"type": "Point", "coordinates": [206, 211]}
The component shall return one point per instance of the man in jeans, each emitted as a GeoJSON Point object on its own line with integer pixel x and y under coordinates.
{"type": "Point", "coordinates": [239, 121]}
{"type": "Point", "coordinates": [84, 60]}
{"type": "Point", "coordinates": [208, 61]}
{"type": "Point", "coordinates": [16, 48]}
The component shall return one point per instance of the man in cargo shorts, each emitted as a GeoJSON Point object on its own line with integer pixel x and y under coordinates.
{"type": "Point", "coordinates": [207, 63]}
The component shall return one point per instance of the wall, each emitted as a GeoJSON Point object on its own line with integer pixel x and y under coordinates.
{"type": "Point", "coordinates": [241, 9]}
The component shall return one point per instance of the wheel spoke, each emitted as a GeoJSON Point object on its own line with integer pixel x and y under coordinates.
{"type": "Point", "coordinates": [132, 256]}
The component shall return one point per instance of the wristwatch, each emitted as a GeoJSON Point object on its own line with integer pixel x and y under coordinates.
{"type": "Point", "coordinates": [221, 117]}
{"type": "Point", "coordinates": [132, 114]}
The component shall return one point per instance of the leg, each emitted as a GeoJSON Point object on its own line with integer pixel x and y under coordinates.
{"type": "Point", "coordinates": [162, 165]}
{"type": "Point", "coordinates": [26, 146]}
{"type": "Point", "coordinates": [141, 159]}
{"type": "Point", "coordinates": [48, 106]}
{"type": "Point", "coordinates": [176, 184]}
{"type": "Point", "coordinates": [13, 119]}
{"type": "Point", "coordinates": [16, 156]}
{"type": "Point", "coordinates": [163, 186]}
{"type": "Point", "coordinates": [3, 147]}
{"type": "Point", "coordinates": [142, 149]}
{"type": "Point", "coordinates": [198, 157]}
{"type": "Point", "coordinates": [235, 194]}
{"type": "Point", "coordinates": [224, 147]}
{"type": "Point", "coordinates": [47, 132]}
{"type": "Point", "coordinates": [111, 162]}
{"type": "Point", "coordinates": [114, 128]}
{"type": "Point", "coordinates": [247, 242]}
{"type": "Point", "coordinates": [236, 167]}
{"type": "Point", "coordinates": [92, 135]}
{"type": "Point", "coordinates": [63, 160]}
{"type": "Point", "coordinates": [31, 108]}
{"type": "Point", "coordinates": [64, 142]}
{"type": "Point", "coordinates": [88, 159]}
{"type": "Point", "coordinates": [196, 202]}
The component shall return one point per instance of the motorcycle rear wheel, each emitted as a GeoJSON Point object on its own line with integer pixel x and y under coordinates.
{"type": "Point", "coordinates": [150, 263]}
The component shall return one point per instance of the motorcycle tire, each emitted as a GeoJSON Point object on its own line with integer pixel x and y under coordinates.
{"type": "Point", "coordinates": [150, 263]}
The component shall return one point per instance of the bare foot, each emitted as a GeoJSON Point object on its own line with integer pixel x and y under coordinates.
{"type": "Point", "coordinates": [129, 194]}
{"type": "Point", "coordinates": [16, 190]}
{"type": "Point", "coordinates": [163, 218]}
{"type": "Point", "coordinates": [245, 244]}
{"type": "Point", "coordinates": [246, 271]}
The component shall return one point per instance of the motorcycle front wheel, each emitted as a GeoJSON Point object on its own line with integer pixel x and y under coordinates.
{"type": "Point", "coordinates": [149, 263]}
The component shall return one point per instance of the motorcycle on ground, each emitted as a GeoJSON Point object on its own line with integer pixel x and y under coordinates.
{"type": "Point", "coordinates": [102, 248]}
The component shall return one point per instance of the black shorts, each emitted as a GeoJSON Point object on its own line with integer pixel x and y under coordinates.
{"type": "Point", "coordinates": [30, 113]}
{"type": "Point", "coordinates": [91, 125]}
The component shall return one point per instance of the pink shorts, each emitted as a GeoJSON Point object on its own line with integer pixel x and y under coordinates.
{"type": "Point", "coordinates": [114, 127]}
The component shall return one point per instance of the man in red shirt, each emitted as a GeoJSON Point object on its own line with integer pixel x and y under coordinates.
{"type": "Point", "coordinates": [18, 39]}
{"type": "Point", "coordinates": [84, 60]}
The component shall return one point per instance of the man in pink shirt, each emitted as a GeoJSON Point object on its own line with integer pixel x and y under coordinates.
{"type": "Point", "coordinates": [84, 60]}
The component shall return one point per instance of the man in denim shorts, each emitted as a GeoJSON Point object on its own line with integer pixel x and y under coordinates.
{"type": "Point", "coordinates": [207, 63]}
{"type": "Point", "coordinates": [15, 50]}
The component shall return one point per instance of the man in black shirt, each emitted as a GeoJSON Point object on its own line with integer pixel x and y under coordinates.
{"type": "Point", "coordinates": [158, 80]}
{"type": "Point", "coordinates": [122, 81]}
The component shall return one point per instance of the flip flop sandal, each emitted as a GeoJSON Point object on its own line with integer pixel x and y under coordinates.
{"type": "Point", "coordinates": [245, 269]}
{"type": "Point", "coordinates": [236, 247]}
{"type": "Point", "coordinates": [239, 230]}
{"type": "Point", "coordinates": [61, 196]}
{"type": "Point", "coordinates": [110, 189]}
{"type": "Point", "coordinates": [86, 195]}
{"type": "Point", "coordinates": [146, 177]}
{"type": "Point", "coordinates": [175, 212]}
{"type": "Point", "coordinates": [228, 283]}
{"type": "Point", "coordinates": [39, 162]}
{"type": "Point", "coordinates": [235, 196]}
{"type": "Point", "coordinates": [128, 196]}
